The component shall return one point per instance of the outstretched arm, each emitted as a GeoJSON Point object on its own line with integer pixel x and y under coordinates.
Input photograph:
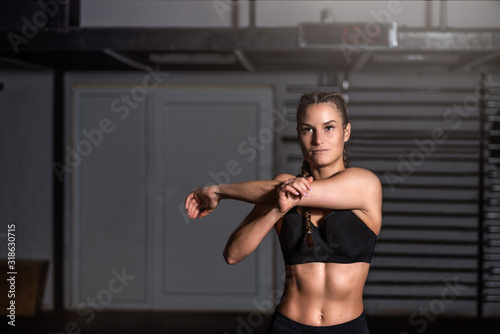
{"type": "Point", "coordinates": [201, 202]}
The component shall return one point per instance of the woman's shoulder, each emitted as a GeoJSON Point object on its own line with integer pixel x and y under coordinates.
{"type": "Point", "coordinates": [367, 185]}
{"type": "Point", "coordinates": [359, 172]}
{"type": "Point", "coordinates": [362, 177]}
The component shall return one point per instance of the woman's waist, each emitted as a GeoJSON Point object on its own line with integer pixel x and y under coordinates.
{"type": "Point", "coordinates": [322, 296]}
{"type": "Point", "coordinates": [324, 311]}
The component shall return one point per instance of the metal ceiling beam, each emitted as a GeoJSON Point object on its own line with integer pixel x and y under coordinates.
{"type": "Point", "coordinates": [170, 39]}
{"type": "Point", "coordinates": [476, 62]}
{"type": "Point", "coordinates": [449, 40]}
{"type": "Point", "coordinates": [226, 40]}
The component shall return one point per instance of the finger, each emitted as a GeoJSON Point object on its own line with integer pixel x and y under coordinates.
{"type": "Point", "coordinates": [310, 179]}
{"type": "Point", "coordinates": [283, 188]}
{"type": "Point", "coordinates": [193, 207]}
{"type": "Point", "coordinates": [191, 210]}
{"type": "Point", "coordinates": [295, 188]}
{"type": "Point", "coordinates": [304, 187]}
{"type": "Point", "coordinates": [194, 214]}
{"type": "Point", "coordinates": [188, 200]}
{"type": "Point", "coordinates": [204, 213]}
{"type": "Point", "coordinates": [197, 209]}
{"type": "Point", "coordinates": [292, 190]}
{"type": "Point", "coordinates": [301, 187]}
{"type": "Point", "coordinates": [195, 202]}
{"type": "Point", "coordinates": [307, 182]}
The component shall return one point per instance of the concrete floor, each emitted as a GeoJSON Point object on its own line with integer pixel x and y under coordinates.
{"type": "Point", "coordinates": [129, 322]}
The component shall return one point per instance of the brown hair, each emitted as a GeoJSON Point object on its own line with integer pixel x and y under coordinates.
{"type": "Point", "coordinates": [312, 99]}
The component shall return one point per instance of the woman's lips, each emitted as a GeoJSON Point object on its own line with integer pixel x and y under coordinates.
{"type": "Point", "coordinates": [319, 151]}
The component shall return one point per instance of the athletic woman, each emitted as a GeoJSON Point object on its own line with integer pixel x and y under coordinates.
{"type": "Point", "coordinates": [327, 220]}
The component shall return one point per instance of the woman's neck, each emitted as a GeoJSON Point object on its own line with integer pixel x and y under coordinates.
{"type": "Point", "coordinates": [325, 172]}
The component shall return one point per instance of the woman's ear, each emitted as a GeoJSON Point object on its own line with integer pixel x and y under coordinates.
{"type": "Point", "coordinates": [347, 132]}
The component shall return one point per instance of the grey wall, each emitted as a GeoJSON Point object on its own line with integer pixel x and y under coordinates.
{"type": "Point", "coordinates": [155, 244]}
{"type": "Point", "coordinates": [26, 175]}
{"type": "Point", "coordinates": [26, 153]}
{"type": "Point", "coordinates": [217, 13]}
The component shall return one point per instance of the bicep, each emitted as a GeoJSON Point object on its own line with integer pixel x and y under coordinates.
{"type": "Point", "coordinates": [351, 189]}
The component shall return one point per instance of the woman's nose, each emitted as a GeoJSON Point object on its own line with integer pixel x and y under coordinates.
{"type": "Point", "coordinates": [317, 139]}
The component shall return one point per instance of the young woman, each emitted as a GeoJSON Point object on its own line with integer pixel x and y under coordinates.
{"type": "Point", "coordinates": [327, 220]}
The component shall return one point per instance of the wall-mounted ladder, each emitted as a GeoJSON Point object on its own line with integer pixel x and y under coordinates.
{"type": "Point", "coordinates": [490, 216]}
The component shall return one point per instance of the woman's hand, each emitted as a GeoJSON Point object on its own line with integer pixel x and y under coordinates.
{"type": "Point", "coordinates": [291, 191]}
{"type": "Point", "coordinates": [201, 202]}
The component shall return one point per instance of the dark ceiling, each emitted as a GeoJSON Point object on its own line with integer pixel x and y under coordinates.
{"type": "Point", "coordinates": [61, 44]}
{"type": "Point", "coordinates": [250, 50]}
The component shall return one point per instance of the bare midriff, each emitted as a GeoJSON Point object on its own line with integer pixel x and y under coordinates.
{"type": "Point", "coordinates": [324, 294]}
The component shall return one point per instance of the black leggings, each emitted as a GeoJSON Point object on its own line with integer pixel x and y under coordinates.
{"type": "Point", "coordinates": [280, 324]}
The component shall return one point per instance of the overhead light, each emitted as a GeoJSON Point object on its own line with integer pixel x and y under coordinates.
{"type": "Point", "coordinates": [434, 58]}
{"type": "Point", "coordinates": [192, 58]}
{"type": "Point", "coordinates": [415, 57]}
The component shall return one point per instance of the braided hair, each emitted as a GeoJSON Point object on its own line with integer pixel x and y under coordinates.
{"type": "Point", "coordinates": [305, 101]}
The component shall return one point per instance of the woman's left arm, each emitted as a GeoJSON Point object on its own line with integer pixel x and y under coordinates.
{"type": "Point", "coordinates": [351, 189]}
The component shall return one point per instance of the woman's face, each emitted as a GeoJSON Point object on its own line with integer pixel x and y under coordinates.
{"type": "Point", "coordinates": [321, 135]}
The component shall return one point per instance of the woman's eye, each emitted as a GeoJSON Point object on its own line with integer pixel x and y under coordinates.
{"type": "Point", "coordinates": [306, 129]}
{"type": "Point", "coordinates": [329, 127]}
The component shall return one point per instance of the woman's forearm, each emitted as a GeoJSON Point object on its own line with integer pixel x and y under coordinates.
{"type": "Point", "coordinates": [256, 192]}
{"type": "Point", "coordinates": [247, 237]}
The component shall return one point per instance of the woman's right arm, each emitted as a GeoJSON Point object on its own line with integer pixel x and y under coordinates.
{"type": "Point", "coordinates": [249, 234]}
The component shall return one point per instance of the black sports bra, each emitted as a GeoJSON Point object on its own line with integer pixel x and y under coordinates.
{"type": "Point", "coordinates": [343, 238]}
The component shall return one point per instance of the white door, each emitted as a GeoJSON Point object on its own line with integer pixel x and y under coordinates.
{"type": "Point", "coordinates": [205, 135]}
{"type": "Point", "coordinates": [129, 243]}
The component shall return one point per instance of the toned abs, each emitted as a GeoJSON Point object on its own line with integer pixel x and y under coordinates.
{"type": "Point", "coordinates": [324, 294]}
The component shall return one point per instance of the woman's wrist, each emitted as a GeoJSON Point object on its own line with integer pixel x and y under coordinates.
{"type": "Point", "coordinates": [218, 190]}
{"type": "Point", "coordinates": [276, 211]}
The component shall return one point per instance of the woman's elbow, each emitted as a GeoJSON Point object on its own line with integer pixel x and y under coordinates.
{"type": "Point", "coordinates": [230, 258]}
